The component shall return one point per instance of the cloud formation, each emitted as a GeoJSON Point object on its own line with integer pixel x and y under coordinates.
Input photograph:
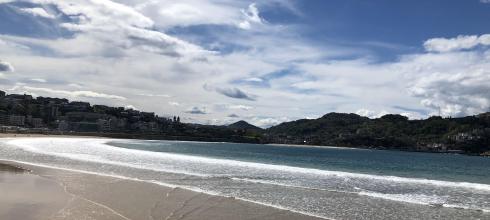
{"type": "Point", "coordinates": [232, 92]}
{"type": "Point", "coordinates": [459, 43]}
{"type": "Point", "coordinates": [39, 12]}
{"type": "Point", "coordinates": [240, 107]}
{"type": "Point", "coordinates": [197, 111]}
{"type": "Point", "coordinates": [370, 113]}
{"type": "Point", "coordinates": [452, 83]}
{"type": "Point", "coordinates": [109, 25]}
{"type": "Point", "coordinates": [236, 93]}
{"type": "Point", "coordinates": [459, 94]}
{"type": "Point", "coordinates": [66, 93]}
{"type": "Point", "coordinates": [135, 52]}
{"type": "Point", "coordinates": [6, 67]}
{"type": "Point", "coordinates": [251, 17]}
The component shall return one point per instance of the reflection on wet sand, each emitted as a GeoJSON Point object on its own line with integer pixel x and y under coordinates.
{"type": "Point", "coordinates": [54, 194]}
{"type": "Point", "coordinates": [28, 197]}
{"type": "Point", "coordinates": [11, 169]}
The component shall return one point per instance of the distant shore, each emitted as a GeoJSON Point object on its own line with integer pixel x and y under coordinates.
{"type": "Point", "coordinates": [13, 135]}
{"type": "Point", "coordinates": [60, 194]}
{"type": "Point", "coordinates": [174, 138]}
{"type": "Point", "coordinates": [79, 135]}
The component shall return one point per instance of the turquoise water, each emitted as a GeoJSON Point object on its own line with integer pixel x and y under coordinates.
{"type": "Point", "coordinates": [450, 167]}
{"type": "Point", "coordinates": [336, 183]}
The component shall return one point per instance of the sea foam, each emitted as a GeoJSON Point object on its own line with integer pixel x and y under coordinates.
{"type": "Point", "coordinates": [94, 150]}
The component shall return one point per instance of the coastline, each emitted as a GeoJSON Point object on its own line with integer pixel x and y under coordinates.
{"type": "Point", "coordinates": [22, 135]}
{"type": "Point", "coordinates": [333, 204]}
{"type": "Point", "coordinates": [187, 139]}
{"type": "Point", "coordinates": [83, 195]}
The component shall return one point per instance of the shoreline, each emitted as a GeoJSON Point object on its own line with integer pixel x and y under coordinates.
{"type": "Point", "coordinates": [197, 140]}
{"type": "Point", "coordinates": [82, 185]}
{"type": "Point", "coordinates": [336, 200]}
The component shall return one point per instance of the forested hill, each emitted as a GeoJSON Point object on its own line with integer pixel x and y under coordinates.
{"type": "Point", "coordinates": [468, 134]}
{"type": "Point", "coordinates": [244, 125]}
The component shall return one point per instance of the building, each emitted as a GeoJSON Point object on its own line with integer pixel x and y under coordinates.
{"type": "Point", "coordinates": [84, 116]}
{"type": "Point", "coordinates": [63, 126]}
{"type": "Point", "coordinates": [153, 126]}
{"type": "Point", "coordinates": [17, 120]}
{"type": "Point", "coordinates": [119, 124]}
{"type": "Point", "coordinates": [37, 122]}
{"type": "Point", "coordinates": [4, 119]}
{"type": "Point", "coordinates": [104, 125]}
{"type": "Point", "coordinates": [20, 97]}
{"type": "Point", "coordinates": [84, 126]}
{"type": "Point", "coordinates": [51, 112]}
{"type": "Point", "coordinates": [76, 107]}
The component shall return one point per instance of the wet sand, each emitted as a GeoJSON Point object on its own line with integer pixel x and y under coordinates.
{"type": "Point", "coordinates": [46, 193]}
{"type": "Point", "coordinates": [25, 196]}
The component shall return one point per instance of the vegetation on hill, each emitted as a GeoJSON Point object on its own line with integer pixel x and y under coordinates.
{"type": "Point", "coordinates": [244, 125]}
{"type": "Point", "coordinates": [436, 134]}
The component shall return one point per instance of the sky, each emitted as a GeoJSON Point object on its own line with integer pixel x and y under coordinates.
{"type": "Point", "coordinates": [266, 62]}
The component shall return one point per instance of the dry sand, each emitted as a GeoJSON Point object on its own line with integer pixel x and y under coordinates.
{"type": "Point", "coordinates": [54, 194]}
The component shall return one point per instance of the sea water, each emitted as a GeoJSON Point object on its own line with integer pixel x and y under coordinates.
{"type": "Point", "coordinates": [328, 182]}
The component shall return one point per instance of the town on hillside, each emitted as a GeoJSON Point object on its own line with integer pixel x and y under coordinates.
{"type": "Point", "coordinates": [22, 113]}
{"type": "Point", "coordinates": [26, 113]}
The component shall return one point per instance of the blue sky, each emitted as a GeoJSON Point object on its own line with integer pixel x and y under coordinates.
{"type": "Point", "coordinates": [261, 61]}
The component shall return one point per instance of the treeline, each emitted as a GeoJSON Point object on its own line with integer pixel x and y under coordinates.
{"type": "Point", "coordinates": [470, 135]}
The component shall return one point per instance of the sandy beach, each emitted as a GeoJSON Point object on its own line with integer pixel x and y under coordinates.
{"type": "Point", "coordinates": [34, 192]}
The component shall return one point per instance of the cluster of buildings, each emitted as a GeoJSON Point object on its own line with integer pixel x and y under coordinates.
{"type": "Point", "coordinates": [26, 113]}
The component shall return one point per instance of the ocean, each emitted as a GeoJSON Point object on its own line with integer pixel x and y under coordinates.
{"type": "Point", "coordinates": [327, 182]}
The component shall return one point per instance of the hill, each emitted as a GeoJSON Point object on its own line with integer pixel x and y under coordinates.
{"type": "Point", "coordinates": [243, 125]}
{"type": "Point", "coordinates": [436, 134]}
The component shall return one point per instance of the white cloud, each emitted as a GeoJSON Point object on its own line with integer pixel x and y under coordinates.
{"type": "Point", "coordinates": [40, 12]}
{"type": "Point", "coordinates": [254, 79]}
{"type": "Point", "coordinates": [485, 1]}
{"type": "Point", "coordinates": [121, 47]}
{"type": "Point", "coordinates": [241, 14]}
{"type": "Point", "coordinates": [75, 85]}
{"type": "Point", "coordinates": [38, 80]}
{"type": "Point", "coordinates": [266, 122]}
{"type": "Point", "coordinates": [70, 94]}
{"type": "Point", "coordinates": [174, 103]}
{"type": "Point", "coordinates": [169, 14]}
{"type": "Point", "coordinates": [240, 107]}
{"type": "Point", "coordinates": [107, 26]}
{"type": "Point", "coordinates": [459, 43]}
{"type": "Point", "coordinates": [131, 107]}
{"type": "Point", "coordinates": [156, 95]}
{"type": "Point", "coordinates": [457, 94]}
{"type": "Point", "coordinates": [308, 85]}
{"type": "Point", "coordinates": [371, 114]}
{"type": "Point", "coordinates": [252, 16]}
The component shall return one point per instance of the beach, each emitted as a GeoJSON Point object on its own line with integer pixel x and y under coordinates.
{"type": "Point", "coordinates": [31, 192]}
{"type": "Point", "coordinates": [63, 177]}
{"type": "Point", "coordinates": [46, 193]}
